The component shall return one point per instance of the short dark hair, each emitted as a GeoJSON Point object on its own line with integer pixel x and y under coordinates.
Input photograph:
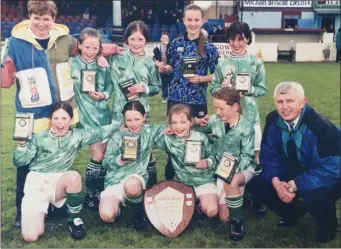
{"type": "Point", "coordinates": [239, 28]}
{"type": "Point", "coordinates": [230, 95]}
{"type": "Point", "coordinates": [42, 8]}
{"type": "Point", "coordinates": [136, 26]}
{"type": "Point", "coordinates": [134, 105]}
{"type": "Point", "coordinates": [61, 105]}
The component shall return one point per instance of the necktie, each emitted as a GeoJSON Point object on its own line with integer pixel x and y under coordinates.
{"type": "Point", "coordinates": [292, 164]}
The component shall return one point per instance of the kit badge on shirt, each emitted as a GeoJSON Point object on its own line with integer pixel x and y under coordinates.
{"type": "Point", "coordinates": [180, 49]}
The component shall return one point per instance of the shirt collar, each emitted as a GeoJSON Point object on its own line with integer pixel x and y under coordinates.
{"type": "Point", "coordinates": [293, 123]}
{"type": "Point", "coordinates": [196, 41]}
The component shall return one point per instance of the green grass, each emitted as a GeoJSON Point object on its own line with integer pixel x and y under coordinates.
{"type": "Point", "coordinates": [322, 84]}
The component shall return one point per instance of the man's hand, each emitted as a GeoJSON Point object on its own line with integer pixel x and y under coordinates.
{"type": "Point", "coordinates": [282, 189]}
{"type": "Point", "coordinates": [202, 164]}
{"type": "Point", "coordinates": [102, 62]}
{"type": "Point", "coordinates": [292, 186]}
{"type": "Point", "coordinates": [226, 83]}
{"type": "Point", "coordinates": [97, 95]}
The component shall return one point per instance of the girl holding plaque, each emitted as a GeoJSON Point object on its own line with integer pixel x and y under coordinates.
{"type": "Point", "coordinates": [92, 89]}
{"type": "Point", "coordinates": [233, 139]}
{"type": "Point", "coordinates": [192, 62]}
{"type": "Point", "coordinates": [126, 162]}
{"type": "Point", "coordinates": [244, 72]}
{"type": "Point", "coordinates": [192, 156]}
{"type": "Point", "coordinates": [134, 76]}
{"type": "Point", "coordinates": [50, 155]}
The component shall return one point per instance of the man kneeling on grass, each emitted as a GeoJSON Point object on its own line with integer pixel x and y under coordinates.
{"type": "Point", "coordinates": [300, 156]}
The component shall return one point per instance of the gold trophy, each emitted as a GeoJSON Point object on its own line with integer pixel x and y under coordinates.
{"type": "Point", "coordinates": [125, 89]}
{"type": "Point", "coordinates": [88, 82]}
{"type": "Point", "coordinates": [192, 151]}
{"type": "Point", "coordinates": [226, 168]}
{"type": "Point", "coordinates": [23, 126]}
{"type": "Point", "coordinates": [243, 82]}
{"type": "Point", "coordinates": [130, 148]}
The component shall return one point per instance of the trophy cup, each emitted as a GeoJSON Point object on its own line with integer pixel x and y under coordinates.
{"type": "Point", "coordinates": [88, 82]}
{"type": "Point", "coordinates": [243, 82]}
{"type": "Point", "coordinates": [125, 89]}
{"type": "Point", "coordinates": [23, 126]}
{"type": "Point", "coordinates": [226, 168]}
{"type": "Point", "coordinates": [131, 148]}
{"type": "Point", "coordinates": [192, 151]}
{"type": "Point", "coordinates": [189, 67]}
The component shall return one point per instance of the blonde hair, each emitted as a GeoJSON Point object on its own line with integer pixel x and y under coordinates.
{"type": "Point", "coordinates": [90, 32]}
{"type": "Point", "coordinates": [42, 7]}
{"type": "Point", "coordinates": [178, 109]}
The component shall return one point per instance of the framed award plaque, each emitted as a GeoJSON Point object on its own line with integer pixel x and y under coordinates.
{"type": "Point", "coordinates": [88, 81]}
{"type": "Point", "coordinates": [23, 126]}
{"type": "Point", "coordinates": [192, 151]}
{"type": "Point", "coordinates": [226, 168]}
{"type": "Point", "coordinates": [130, 147]}
{"type": "Point", "coordinates": [243, 82]}
{"type": "Point", "coordinates": [189, 67]}
{"type": "Point", "coordinates": [125, 89]}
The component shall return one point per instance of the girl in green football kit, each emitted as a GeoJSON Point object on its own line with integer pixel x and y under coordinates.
{"type": "Point", "coordinates": [198, 174]}
{"type": "Point", "coordinates": [137, 70]}
{"type": "Point", "coordinates": [232, 134]}
{"type": "Point", "coordinates": [93, 106]}
{"type": "Point", "coordinates": [126, 179]}
{"type": "Point", "coordinates": [50, 156]}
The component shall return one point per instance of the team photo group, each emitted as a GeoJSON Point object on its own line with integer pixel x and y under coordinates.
{"type": "Point", "coordinates": [75, 93]}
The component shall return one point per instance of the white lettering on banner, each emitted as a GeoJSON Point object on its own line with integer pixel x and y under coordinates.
{"type": "Point", "coordinates": [278, 4]}
{"type": "Point", "coordinates": [223, 48]}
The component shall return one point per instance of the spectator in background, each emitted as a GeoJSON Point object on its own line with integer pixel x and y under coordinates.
{"type": "Point", "coordinates": [338, 45]}
{"type": "Point", "coordinates": [179, 15]}
{"type": "Point", "coordinates": [160, 55]}
{"type": "Point", "coordinates": [86, 15]}
{"type": "Point", "coordinates": [221, 34]}
{"type": "Point", "coordinates": [204, 32]}
{"type": "Point", "coordinates": [214, 34]}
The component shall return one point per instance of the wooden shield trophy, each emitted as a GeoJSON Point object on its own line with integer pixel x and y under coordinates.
{"type": "Point", "coordinates": [169, 206]}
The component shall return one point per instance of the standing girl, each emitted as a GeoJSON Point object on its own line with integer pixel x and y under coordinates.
{"type": "Point", "coordinates": [240, 61]}
{"type": "Point", "coordinates": [126, 180]}
{"type": "Point", "coordinates": [50, 155]}
{"type": "Point", "coordinates": [232, 134]}
{"type": "Point", "coordinates": [200, 175]}
{"type": "Point", "coordinates": [134, 76]}
{"type": "Point", "coordinates": [93, 106]}
{"type": "Point", "coordinates": [191, 91]}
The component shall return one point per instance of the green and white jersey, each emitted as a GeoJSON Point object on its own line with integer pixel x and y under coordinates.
{"type": "Point", "coordinates": [227, 69]}
{"type": "Point", "coordinates": [92, 113]}
{"type": "Point", "coordinates": [117, 172]}
{"type": "Point", "coordinates": [142, 69]}
{"type": "Point", "coordinates": [188, 173]}
{"type": "Point", "coordinates": [237, 141]}
{"type": "Point", "coordinates": [47, 153]}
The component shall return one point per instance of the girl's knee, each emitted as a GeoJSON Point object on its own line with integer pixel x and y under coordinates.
{"type": "Point", "coordinates": [75, 179]}
{"type": "Point", "coordinates": [133, 187]}
{"type": "Point", "coordinates": [31, 236]}
{"type": "Point", "coordinates": [108, 216]}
